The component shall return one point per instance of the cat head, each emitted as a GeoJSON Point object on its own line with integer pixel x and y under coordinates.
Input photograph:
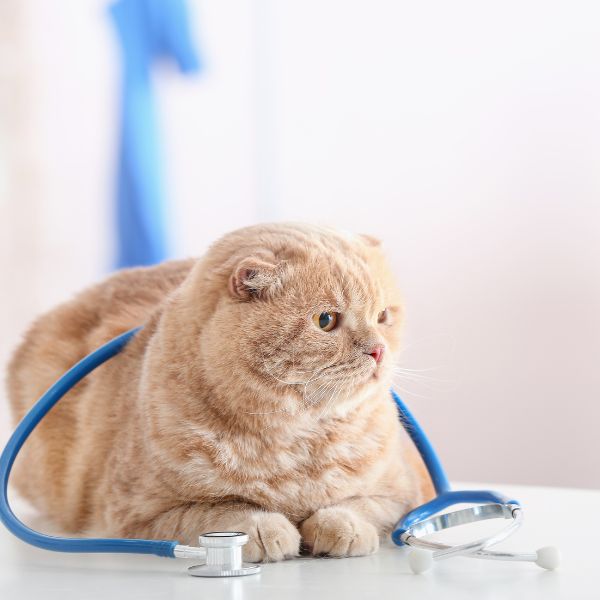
{"type": "Point", "coordinates": [302, 315]}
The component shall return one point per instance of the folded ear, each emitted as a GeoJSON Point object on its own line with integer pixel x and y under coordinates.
{"type": "Point", "coordinates": [369, 240]}
{"type": "Point", "coordinates": [254, 277]}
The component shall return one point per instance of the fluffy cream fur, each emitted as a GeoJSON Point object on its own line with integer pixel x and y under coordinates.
{"type": "Point", "coordinates": [232, 409]}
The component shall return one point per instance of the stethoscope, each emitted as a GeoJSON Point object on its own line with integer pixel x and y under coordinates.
{"type": "Point", "coordinates": [222, 551]}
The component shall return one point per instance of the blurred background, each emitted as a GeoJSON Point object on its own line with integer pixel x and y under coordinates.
{"type": "Point", "coordinates": [465, 135]}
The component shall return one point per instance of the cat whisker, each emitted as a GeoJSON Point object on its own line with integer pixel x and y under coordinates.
{"type": "Point", "coordinates": [408, 370]}
{"type": "Point", "coordinates": [405, 391]}
{"type": "Point", "coordinates": [422, 376]}
{"type": "Point", "coordinates": [427, 384]}
{"type": "Point", "coordinates": [333, 392]}
{"type": "Point", "coordinates": [266, 412]}
{"type": "Point", "coordinates": [324, 391]}
{"type": "Point", "coordinates": [322, 388]}
{"type": "Point", "coordinates": [334, 396]}
{"type": "Point", "coordinates": [278, 379]}
{"type": "Point", "coordinates": [313, 398]}
{"type": "Point", "coordinates": [315, 373]}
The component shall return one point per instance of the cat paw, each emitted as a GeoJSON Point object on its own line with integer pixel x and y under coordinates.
{"type": "Point", "coordinates": [337, 531]}
{"type": "Point", "coordinates": [272, 537]}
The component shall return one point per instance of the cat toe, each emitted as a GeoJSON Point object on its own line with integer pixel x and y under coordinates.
{"type": "Point", "coordinates": [336, 531]}
{"type": "Point", "coordinates": [272, 538]}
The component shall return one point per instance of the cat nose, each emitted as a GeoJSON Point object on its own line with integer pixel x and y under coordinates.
{"type": "Point", "coordinates": [376, 351]}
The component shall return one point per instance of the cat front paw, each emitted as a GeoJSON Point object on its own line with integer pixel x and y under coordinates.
{"type": "Point", "coordinates": [338, 531]}
{"type": "Point", "coordinates": [272, 537]}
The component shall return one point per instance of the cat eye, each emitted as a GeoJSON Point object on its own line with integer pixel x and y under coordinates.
{"type": "Point", "coordinates": [383, 316]}
{"type": "Point", "coordinates": [326, 320]}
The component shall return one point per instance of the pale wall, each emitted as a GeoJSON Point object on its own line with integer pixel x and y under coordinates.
{"type": "Point", "coordinates": [466, 135]}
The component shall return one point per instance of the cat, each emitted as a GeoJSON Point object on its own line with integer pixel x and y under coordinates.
{"type": "Point", "coordinates": [255, 398]}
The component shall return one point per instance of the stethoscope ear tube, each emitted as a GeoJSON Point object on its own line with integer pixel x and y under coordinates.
{"type": "Point", "coordinates": [423, 445]}
{"type": "Point", "coordinates": [429, 518]}
{"type": "Point", "coordinates": [421, 559]}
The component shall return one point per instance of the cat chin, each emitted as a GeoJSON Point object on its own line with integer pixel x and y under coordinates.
{"type": "Point", "coordinates": [376, 375]}
{"type": "Point", "coordinates": [360, 394]}
{"type": "Point", "coordinates": [368, 383]}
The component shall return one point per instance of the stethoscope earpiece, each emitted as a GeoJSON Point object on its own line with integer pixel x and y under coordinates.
{"type": "Point", "coordinates": [548, 557]}
{"type": "Point", "coordinates": [420, 560]}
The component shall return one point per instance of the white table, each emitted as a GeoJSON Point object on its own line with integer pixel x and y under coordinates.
{"type": "Point", "coordinates": [553, 516]}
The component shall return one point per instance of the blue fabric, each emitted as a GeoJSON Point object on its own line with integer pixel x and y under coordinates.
{"type": "Point", "coordinates": [149, 30]}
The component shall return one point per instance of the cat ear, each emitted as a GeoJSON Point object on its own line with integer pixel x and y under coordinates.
{"type": "Point", "coordinates": [254, 278]}
{"type": "Point", "coordinates": [369, 240]}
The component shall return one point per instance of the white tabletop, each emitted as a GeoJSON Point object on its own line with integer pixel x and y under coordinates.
{"type": "Point", "coordinates": [563, 517]}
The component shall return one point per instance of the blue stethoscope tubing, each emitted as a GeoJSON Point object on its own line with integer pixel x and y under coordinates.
{"type": "Point", "coordinates": [29, 422]}
{"type": "Point", "coordinates": [444, 499]}
{"type": "Point", "coordinates": [445, 496]}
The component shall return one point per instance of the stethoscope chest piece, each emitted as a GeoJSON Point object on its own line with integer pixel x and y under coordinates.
{"type": "Point", "coordinates": [223, 555]}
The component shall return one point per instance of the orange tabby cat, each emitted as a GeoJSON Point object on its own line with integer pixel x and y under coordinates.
{"type": "Point", "coordinates": [256, 398]}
